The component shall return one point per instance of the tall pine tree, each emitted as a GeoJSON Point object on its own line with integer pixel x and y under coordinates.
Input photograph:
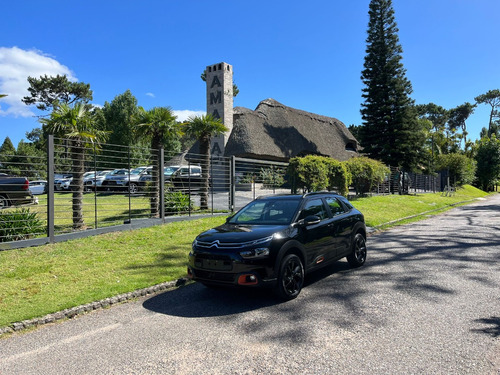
{"type": "Point", "coordinates": [390, 131]}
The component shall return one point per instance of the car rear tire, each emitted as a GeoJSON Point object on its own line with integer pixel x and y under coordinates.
{"type": "Point", "coordinates": [358, 254]}
{"type": "Point", "coordinates": [290, 277]}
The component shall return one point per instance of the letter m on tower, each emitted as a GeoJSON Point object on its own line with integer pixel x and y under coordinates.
{"type": "Point", "coordinates": [216, 98]}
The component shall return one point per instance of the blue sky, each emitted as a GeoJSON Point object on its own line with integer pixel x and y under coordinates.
{"type": "Point", "coordinates": [305, 54]}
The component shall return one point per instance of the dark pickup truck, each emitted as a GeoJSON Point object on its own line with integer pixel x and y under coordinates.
{"type": "Point", "coordinates": [14, 191]}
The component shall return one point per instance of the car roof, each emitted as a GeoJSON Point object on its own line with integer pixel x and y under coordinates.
{"type": "Point", "coordinates": [298, 196]}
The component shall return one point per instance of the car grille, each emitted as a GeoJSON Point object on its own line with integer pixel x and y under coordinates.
{"type": "Point", "coordinates": [214, 276]}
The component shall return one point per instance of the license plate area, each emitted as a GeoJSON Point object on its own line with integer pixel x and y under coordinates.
{"type": "Point", "coordinates": [213, 263]}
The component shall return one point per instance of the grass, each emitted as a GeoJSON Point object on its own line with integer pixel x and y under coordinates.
{"type": "Point", "coordinates": [40, 280]}
{"type": "Point", "coordinates": [111, 209]}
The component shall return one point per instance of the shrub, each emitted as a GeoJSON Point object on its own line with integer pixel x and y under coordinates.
{"type": "Point", "coordinates": [272, 177]}
{"type": "Point", "coordinates": [339, 177]}
{"type": "Point", "coordinates": [176, 202]}
{"type": "Point", "coordinates": [366, 173]}
{"type": "Point", "coordinates": [315, 173]}
{"type": "Point", "coordinates": [19, 225]}
{"type": "Point", "coordinates": [462, 169]}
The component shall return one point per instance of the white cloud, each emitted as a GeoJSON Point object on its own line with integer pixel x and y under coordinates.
{"type": "Point", "coordinates": [150, 94]}
{"type": "Point", "coordinates": [16, 65]}
{"type": "Point", "coordinates": [183, 115]}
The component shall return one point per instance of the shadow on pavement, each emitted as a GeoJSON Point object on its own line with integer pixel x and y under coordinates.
{"type": "Point", "coordinates": [196, 300]}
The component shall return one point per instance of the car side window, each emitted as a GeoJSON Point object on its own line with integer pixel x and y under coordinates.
{"type": "Point", "coordinates": [335, 206]}
{"type": "Point", "coordinates": [314, 207]}
{"type": "Point", "coordinates": [346, 203]}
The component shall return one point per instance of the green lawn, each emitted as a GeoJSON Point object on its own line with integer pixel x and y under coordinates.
{"type": "Point", "coordinates": [40, 280]}
{"type": "Point", "coordinates": [111, 208]}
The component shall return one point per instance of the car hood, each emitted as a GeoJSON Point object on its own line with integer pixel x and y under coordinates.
{"type": "Point", "coordinates": [231, 233]}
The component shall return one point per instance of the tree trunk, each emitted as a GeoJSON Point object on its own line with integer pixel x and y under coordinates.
{"type": "Point", "coordinates": [78, 161]}
{"type": "Point", "coordinates": [205, 168]}
{"type": "Point", "coordinates": [154, 199]}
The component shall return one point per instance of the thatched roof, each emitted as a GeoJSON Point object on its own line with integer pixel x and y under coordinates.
{"type": "Point", "coordinates": [277, 132]}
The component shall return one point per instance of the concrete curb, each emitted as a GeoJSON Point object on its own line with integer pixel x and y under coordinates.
{"type": "Point", "coordinates": [82, 309]}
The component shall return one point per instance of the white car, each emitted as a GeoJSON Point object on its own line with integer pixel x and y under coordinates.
{"type": "Point", "coordinates": [94, 180]}
{"type": "Point", "coordinates": [38, 187]}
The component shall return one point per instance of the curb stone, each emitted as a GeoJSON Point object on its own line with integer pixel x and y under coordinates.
{"type": "Point", "coordinates": [82, 309]}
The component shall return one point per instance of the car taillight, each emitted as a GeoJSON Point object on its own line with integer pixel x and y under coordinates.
{"type": "Point", "coordinates": [26, 184]}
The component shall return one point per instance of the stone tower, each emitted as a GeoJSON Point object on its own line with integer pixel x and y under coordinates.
{"type": "Point", "coordinates": [219, 78]}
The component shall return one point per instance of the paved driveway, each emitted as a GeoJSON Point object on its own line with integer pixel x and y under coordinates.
{"type": "Point", "coordinates": [427, 302]}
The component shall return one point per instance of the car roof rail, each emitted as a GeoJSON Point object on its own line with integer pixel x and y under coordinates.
{"type": "Point", "coordinates": [319, 193]}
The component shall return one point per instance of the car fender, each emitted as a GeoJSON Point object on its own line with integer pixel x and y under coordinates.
{"type": "Point", "coordinates": [292, 244]}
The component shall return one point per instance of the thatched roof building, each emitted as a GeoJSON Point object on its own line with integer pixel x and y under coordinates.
{"type": "Point", "coordinates": [274, 131]}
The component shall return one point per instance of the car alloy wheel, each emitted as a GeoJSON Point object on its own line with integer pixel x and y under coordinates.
{"type": "Point", "coordinates": [133, 188]}
{"type": "Point", "coordinates": [291, 277]}
{"type": "Point", "coordinates": [3, 202]}
{"type": "Point", "coordinates": [358, 255]}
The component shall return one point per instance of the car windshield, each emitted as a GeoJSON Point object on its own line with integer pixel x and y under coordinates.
{"type": "Point", "coordinates": [169, 170]}
{"type": "Point", "coordinates": [137, 170]}
{"type": "Point", "coordinates": [267, 212]}
{"type": "Point", "coordinates": [119, 172]}
{"type": "Point", "coordinates": [103, 173]}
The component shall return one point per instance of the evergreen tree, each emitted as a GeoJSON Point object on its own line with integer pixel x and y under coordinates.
{"type": "Point", "coordinates": [7, 147]}
{"type": "Point", "coordinates": [391, 132]}
{"type": "Point", "coordinates": [7, 155]}
{"type": "Point", "coordinates": [488, 162]}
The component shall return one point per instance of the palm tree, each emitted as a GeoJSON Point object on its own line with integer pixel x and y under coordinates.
{"type": "Point", "coordinates": [76, 124]}
{"type": "Point", "coordinates": [158, 124]}
{"type": "Point", "coordinates": [203, 128]}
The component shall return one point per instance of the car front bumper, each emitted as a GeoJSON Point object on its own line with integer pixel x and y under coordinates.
{"type": "Point", "coordinates": [229, 270]}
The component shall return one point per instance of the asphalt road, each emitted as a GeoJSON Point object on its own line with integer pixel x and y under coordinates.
{"type": "Point", "coordinates": [426, 302]}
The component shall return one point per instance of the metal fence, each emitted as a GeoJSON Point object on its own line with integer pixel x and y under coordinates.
{"type": "Point", "coordinates": [402, 182]}
{"type": "Point", "coordinates": [80, 190]}
{"type": "Point", "coordinates": [83, 190]}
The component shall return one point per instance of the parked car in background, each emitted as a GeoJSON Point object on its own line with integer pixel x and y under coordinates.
{"type": "Point", "coordinates": [123, 179]}
{"type": "Point", "coordinates": [59, 178]}
{"type": "Point", "coordinates": [38, 187]}
{"type": "Point", "coordinates": [14, 191]}
{"type": "Point", "coordinates": [94, 180]}
{"type": "Point", "coordinates": [146, 174]}
{"type": "Point", "coordinates": [277, 240]}
{"type": "Point", "coordinates": [186, 178]}
{"type": "Point", "coordinates": [65, 184]}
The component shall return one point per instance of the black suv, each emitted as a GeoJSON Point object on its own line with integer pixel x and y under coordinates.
{"type": "Point", "coordinates": [276, 240]}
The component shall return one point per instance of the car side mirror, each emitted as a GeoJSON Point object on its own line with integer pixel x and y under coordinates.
{"type": "Point", "coordinates": [309, 220]}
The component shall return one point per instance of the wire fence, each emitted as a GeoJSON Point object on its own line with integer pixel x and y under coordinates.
{"type": "Point", "coordinates": [71, 190]}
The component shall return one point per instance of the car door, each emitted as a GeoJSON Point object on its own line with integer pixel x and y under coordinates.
{"type": "Point", "coordinates": [341, 226]}
{"type": "Point", "coordinates": [316, 238]}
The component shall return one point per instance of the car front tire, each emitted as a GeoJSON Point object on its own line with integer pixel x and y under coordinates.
{"type": "Point", "coordinates": [358, 254]}
{"type": "Point", "coordinates": [133, 188]}
{"type": "Point", "coordinates": [290, 277]}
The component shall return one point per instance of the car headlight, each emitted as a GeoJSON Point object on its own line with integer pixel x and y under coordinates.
{"type": "Point", "coordinates": [260, 252]}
